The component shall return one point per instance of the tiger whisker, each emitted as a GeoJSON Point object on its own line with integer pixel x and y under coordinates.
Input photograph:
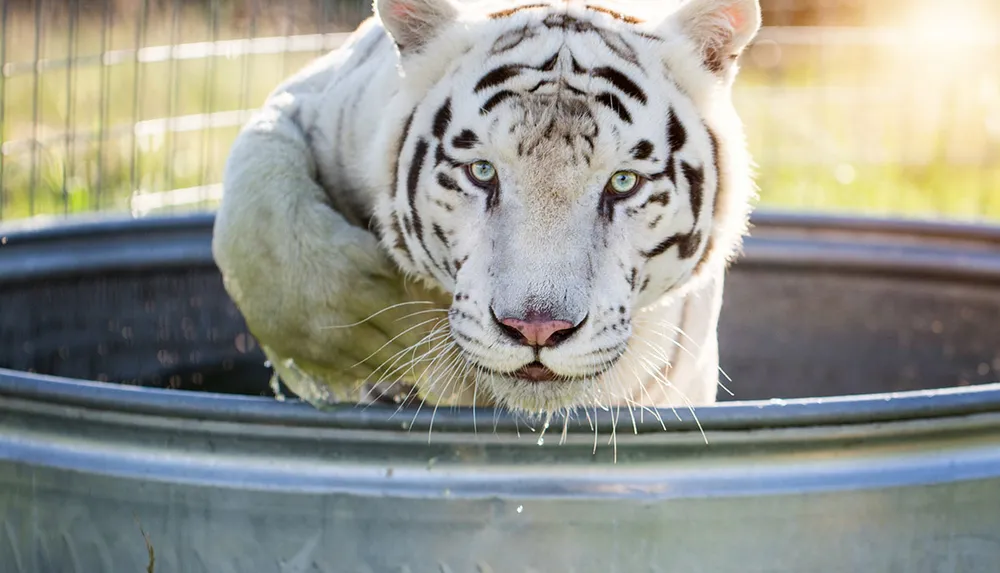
{"type": "Point", "coordinates": [436, 334]}
{"type": "Point", "coordinates": [438, 340]}
{"type": "Point", "coordinates": [642, 388]}
{"type": "Point", "coordinates": [424, 400]}
{"type": "Point", "coordinates": [386, 309]}
{"type": "Point", "coordinates": [652, 372]}
{"type": "Point", "coordinates": [451, 367]}
{"type": "Point", "coordinates": [684, 397]}
{"type": "Point", "coordinates": [419, 312]}
{"type": "Point", "coordinates": [679, 330]}
{"type": "Point", "coordinates": [393, 339]}
{"type": "Point", "coordinates": [416, 384]}
{"type": "Point", "coordinates": [431, 337]}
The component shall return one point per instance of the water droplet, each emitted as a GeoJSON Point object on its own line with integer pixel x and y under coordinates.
{"type": "Point", "coordinates": [520, 508]}
{"type": "Point", "coordinates": [545, 427]}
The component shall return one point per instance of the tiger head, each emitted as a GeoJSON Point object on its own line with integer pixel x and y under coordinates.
{"type": "Point", "coordinates": [556, 168]}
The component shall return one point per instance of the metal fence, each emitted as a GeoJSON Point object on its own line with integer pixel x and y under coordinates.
{"type": "Point", "coordinates": [130, 105]}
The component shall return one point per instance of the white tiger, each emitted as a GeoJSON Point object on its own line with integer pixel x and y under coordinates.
{"type": "Point", "coordinates": [566, 182]}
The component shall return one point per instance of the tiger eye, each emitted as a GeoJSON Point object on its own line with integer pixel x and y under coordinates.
{"type": "Point", "coordinates": [623, 183]}
{"type": "Point", "coordinates": [482, 171]}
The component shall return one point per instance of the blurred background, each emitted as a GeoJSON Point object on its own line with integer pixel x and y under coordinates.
{"type": "Point", "coordinates": [873, 107]}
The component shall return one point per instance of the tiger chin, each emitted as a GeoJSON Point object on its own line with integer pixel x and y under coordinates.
{"type": "Point", "coordinates": [563, 182]}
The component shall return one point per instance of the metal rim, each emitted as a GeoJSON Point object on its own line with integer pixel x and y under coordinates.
{"type": "Point", "coordinates": [832, 249]}
{"type": "Point", "coordinates": [727, 416]}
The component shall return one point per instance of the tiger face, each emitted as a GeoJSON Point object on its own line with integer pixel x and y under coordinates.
{"type": "Point", "coordinates": [560, 168]}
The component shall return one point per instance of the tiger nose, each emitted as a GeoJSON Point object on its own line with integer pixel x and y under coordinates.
{"type": "Point", "coordinates": [537, 329]}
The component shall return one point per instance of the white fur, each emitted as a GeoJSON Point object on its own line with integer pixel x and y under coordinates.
{"type": "Point", "coordinates": [324, 155]}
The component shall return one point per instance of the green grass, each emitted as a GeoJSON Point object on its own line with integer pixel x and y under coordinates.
{"type": "Point", "coordinates": [869, 131]}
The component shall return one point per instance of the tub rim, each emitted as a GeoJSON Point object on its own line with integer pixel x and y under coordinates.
{"type": "Point", "coordinates": [931, 250]}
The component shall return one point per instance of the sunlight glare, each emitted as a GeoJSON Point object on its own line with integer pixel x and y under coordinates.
{"type": "Point", "coordinates": [959, 22]}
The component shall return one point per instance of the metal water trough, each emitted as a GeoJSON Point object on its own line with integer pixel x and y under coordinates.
{"type": "Point", "coordinates": [864, 434]}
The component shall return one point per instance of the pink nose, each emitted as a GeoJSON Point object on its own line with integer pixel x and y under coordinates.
{"type": "Point", "coordinates": [540, 332]}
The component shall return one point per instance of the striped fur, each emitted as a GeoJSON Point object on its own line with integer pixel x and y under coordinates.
{"type": "Point", "coordinates": [558, 96]}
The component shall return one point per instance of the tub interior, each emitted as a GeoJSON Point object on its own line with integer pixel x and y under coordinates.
{"type": "Point", "coordinates": [784, 332]}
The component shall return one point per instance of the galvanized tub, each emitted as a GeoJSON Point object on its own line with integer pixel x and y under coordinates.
{"type": "Point", "coordinates": [880, 452]}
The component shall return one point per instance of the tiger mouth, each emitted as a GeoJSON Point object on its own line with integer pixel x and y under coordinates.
{"type": "Point", "coordinates": [536, 372]}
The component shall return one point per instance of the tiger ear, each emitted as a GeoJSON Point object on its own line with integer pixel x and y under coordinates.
{"type": "Point", "coordinates": [413, 23]}
{"type": "Point", "coordinates": [719, 29]}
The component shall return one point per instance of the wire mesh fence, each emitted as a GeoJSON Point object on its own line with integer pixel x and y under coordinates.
{"type": "Point", "coordinates": [877, 107]}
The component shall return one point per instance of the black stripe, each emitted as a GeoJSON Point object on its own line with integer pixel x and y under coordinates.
{"type": "Point", "coordinates": [492, 198]}
{"type": "Point", "coordinates": [633, 276]}
{"type": "Point", "coordinates": [449, 183]}
{"type": "Point", "coordinates": [551, 127]}
{"type": "Point", "coordinates": [413, 179]}
{"type": "Point", "coordinates": [550, 63]}
{"type": "Point", "coordinates": [441, 157]}
{"type": "Point", "coordinates": [398, 241]}
{"type": "Point", "coordinates": [577, 68]}
{"type": "Point", "coordinates": [539, 85]}
{"type": "Point", "coordinates": [510, 40]}
{"type": "Point", "coordinates": [497, 76]}
{"type": "Point", "coordinates": [443, 205]}
{"type": "Point", "coordinates": [620, 81]}
{"type": "Point", "coordinates": [441, 119]}
{"type": "Point", "coordinates": [399, 150]}
{"type": "Point", "coordinates": [662, 247]}
{"type": "Point", "coordinates": [606, 208]}
{"type": "Point", "coordinates": [669, 171]}
{"type": "Point", "coordinates": [687, 244]}
{"type": "Point", "coordinates": [661, 198]}
{"type": "Point", "coordinates": [467, 139]}
{"type": "Point", "coordinates": [617, 44]}
{"type": "Point", "coordinates": [676, 134]}
{"type": "Point", "coordinates": [688, 247]}
{"type": "Point", "coordinates": [719, 190]}
{"type": "Point", "coordinates": [495, 101]}
{"type": "Point", "coordinates": [616, 105]}
{"type": "Point", "coordinates": [567, 22]}
{"type": "Point", "coordinates": [718, 169]}
{"type": "Point", "coordinates": [412, 182]}
{"type": "Point", "coordinates": [439, 232]}
{"type": "Point", "coordinates": [642, 150]}
{"type": "Point", "coordinates": [696, 179]}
